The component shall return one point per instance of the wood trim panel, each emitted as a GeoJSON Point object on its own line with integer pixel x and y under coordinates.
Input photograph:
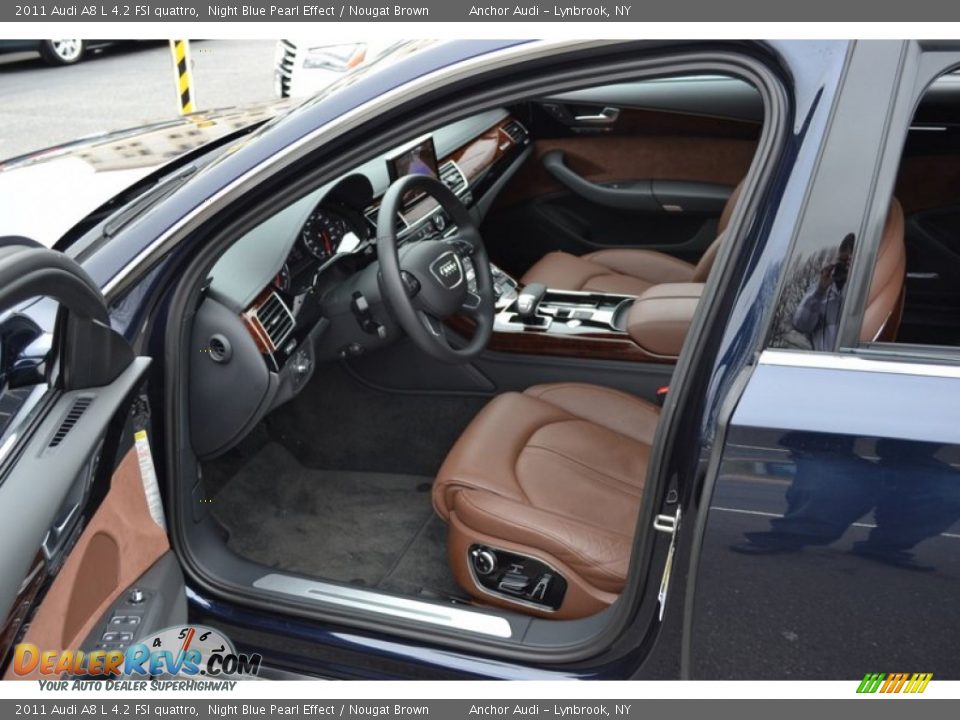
{"type": "Point", "coordinates": [121, 543]}
{"type": "Point", "coordinates": [252, 321]}
{"type": "Point", "coordinates": [594, 346]}
{"type": "Point", "coordinates": [636, 121]}
{"type": "Point", "coordinates": [474, 159]}
{"type": "Point", "coordinates": [614, 158]}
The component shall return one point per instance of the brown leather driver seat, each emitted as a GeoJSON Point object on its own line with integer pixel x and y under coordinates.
{"type": "Point", "coordinates": [627, 271]}
{"type": "Point", "coordinates": [556, 474]}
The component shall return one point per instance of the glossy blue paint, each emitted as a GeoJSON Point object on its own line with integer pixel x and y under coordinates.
{"type": "Point", "coordinates": [834, 528]}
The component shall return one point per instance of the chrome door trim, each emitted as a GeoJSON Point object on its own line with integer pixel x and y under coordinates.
{"type": "Point", "coordinates": [367, 601]}
{"type": "Point", "coordinates": [855, 363]}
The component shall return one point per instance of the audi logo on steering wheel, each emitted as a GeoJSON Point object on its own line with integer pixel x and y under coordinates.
{"type": "Point", "coordinates": [447, 270]}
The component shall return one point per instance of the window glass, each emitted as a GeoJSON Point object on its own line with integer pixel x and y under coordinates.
{"type": "Point", "coordinates": [928, 188]}
{"type": "Point", "coordinates": [26, 343]}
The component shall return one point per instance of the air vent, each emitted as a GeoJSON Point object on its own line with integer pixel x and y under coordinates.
{"type": "Point", "coordinates": [516, 132]}
{"type": "Point", "coordinates": [400, 225]}
{"type": "Point", "coordinates": [275, 319]}
{"type": "Point", "coordinates": [80, 406]}
{"type": "Point", "coordinates": [452, 177]}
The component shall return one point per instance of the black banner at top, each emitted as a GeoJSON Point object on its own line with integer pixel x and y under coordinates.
{"type": "Point", "coordinates": [604, 11]}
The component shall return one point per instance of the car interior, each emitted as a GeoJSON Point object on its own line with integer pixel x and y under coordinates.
{"type": "Point", "coordinates": [438, 377]}
{"type": "Point", "coordinates": [927, 189]}
{"type": "Point", "coordinates": [506, 472]}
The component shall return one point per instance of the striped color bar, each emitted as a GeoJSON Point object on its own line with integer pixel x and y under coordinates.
{"type": "Point", "coordinates": [894, 682]}
{"type": "Point", "coordinates": [183, 75]}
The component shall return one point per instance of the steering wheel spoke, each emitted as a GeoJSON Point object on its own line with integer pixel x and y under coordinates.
{"type": "Point", "coordinates": [430, 280]}
{"type": "Point", "coordinates": [433, 324]}
{"type": "Point", "coordinates": [472, 305]}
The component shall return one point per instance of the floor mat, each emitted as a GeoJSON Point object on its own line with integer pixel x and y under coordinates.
{"type": "Point", "coordinates": [336, 422]}
{"type": "Point", "coordinates": [365, 528]}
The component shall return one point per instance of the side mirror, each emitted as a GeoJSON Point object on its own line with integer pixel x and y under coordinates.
{"type": "Point", "coordinates": [30, 365]}
{"type": "Point", "coordinates": [27, 372]}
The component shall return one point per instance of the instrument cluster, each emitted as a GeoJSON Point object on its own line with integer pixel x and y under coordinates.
{"type": "Point", "coordinates": [329, 231]}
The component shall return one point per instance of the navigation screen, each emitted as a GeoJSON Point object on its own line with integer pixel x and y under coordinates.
{"type": "Point", "coordinates": [419, 159]}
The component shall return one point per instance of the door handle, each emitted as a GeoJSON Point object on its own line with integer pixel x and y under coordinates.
{"type": "Point", "coordinates": [607, 116]}
{"type": "Point", "coordinates": [57, 535]}
{"type": "Point", "coordinates": [70, 514]}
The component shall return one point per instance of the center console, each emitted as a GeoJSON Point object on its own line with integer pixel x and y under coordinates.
{"type": "Point", "coordinates": [568, 312]}
{"type": "Point", "coordinates": [648, 328]}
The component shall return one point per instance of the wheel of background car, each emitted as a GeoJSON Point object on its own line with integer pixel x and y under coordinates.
{"type": "Point", "coordinates": [426, 282]}
{"type": "Point", "coordinates": [62, 52]}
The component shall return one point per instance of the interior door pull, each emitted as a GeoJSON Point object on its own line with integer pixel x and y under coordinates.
{"type": "Point", "coordinates": [607, 116]}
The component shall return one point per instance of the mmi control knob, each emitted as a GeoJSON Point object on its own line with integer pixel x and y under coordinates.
{"type": "Point", "coordinates": [484, 560]}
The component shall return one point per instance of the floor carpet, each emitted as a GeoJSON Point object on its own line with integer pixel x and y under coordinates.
{"type": "Point", "coordinates": [369, 529]}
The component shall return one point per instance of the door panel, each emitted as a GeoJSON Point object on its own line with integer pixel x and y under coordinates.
{"type": "Point", "coordinates": [648, 179]}
{"type": "Point", "coordinates": [698, 97]}
{"type": "Point", "coordinates": [832, 532]}
{"type": "Point", "coordinates": [75, 524]}
{"type": "Point", "coordinates": [119, 543]}
{"type": "Point", "coordinates": [35, 487]}
{"type": "Point", "coordinates": [626, 158]}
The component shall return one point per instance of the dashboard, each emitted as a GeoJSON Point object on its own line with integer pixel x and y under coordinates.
{"type": "Point", "coordinates": [327, 232]}
{"type": "Point", "coordinates": [302, 287]}
{"type": "Point", "coordinates": [472, 155]}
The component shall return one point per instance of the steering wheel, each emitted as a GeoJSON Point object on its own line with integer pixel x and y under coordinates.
{"type": "Point", "coordinates": [425, 282]}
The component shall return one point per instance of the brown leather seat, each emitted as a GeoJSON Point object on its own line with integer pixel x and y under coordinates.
{"type": "Point", "coordinates": [627, 271]}
{"type": "Point", "coordinates": [555, 473]}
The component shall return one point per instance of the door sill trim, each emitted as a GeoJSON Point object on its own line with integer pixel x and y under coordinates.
{"type": "Point", "coordinates": [383, 604]}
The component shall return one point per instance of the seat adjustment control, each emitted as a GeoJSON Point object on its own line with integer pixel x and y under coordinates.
{"type": "Point", "coordinates": [517, 578]}
{"type": "Point", "coordinates": [514, 581]}
{"type": "Point", "coordinates": [484, 560]}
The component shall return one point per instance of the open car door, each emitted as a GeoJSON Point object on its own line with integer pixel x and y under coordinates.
{"type": "Point", "coordinates": [86, 563]}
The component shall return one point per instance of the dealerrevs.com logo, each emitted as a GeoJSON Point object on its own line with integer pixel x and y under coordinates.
{"type": "Point", "coordinates": [912, 683]}
{"type": "Point", "coordinates": [185, 652]}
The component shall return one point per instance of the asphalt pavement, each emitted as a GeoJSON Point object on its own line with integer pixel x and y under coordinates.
{"type": "Point", "coordinates": [122, 86]}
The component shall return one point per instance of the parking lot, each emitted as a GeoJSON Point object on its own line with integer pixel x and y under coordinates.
{"type": "Point", "coordinates": [122, 86]}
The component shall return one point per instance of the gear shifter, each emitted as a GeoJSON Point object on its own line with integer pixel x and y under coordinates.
{"type": "Point", "coordinates": [529, 299]}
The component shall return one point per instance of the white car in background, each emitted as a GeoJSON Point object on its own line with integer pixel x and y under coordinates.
{"type": "Point", "coordinates": [305, 67]}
